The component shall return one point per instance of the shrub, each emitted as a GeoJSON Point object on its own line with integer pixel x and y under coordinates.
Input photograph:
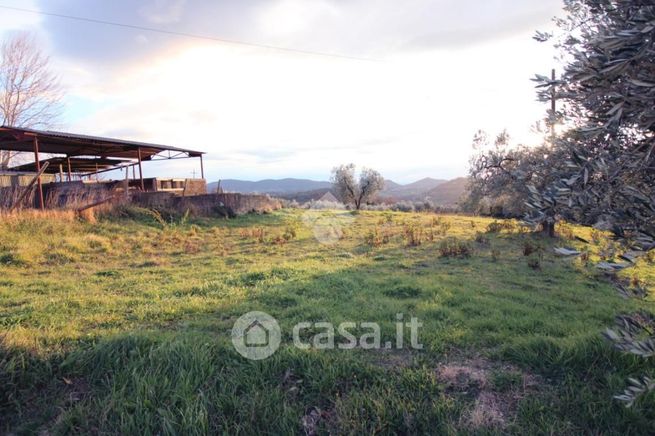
{"type": "Point", "coordinates": [290, 232]}
{"type": "Point", "coordinates": [289, 204]}
{"type": "Point", "coordinates": [413, 234]}
{"type": "Point", "coordinates": [584, 257]}
{"type": "Point", "coordinates": [423, 206]}
{"type": "Point", "coordinates": [442, 226]}
{"type": "Point", "coordinates": [566, 232]}
{"type": "Point", "coordinates": [534, 261]}
{"type": "Point", "coordinates": [403, 291]}
{"type": "Point", "coordinates": [321, 204]}
{"type": "Point", "coordinates": [256, 233]}
{"type": "Point", "coordinates": [596, 236]}
{"type": "Point", "coordinates": [530, 247]}
{"type": "Point", "coordinates": [650, 256]}
{"type": "Point", "coordinates": [373, 238]}
{"type": "Point", "coordinates": [453, 247]}
{"type": "Point", "coordinates": [403, 206]}
{"type": "Point", "coordinates": [97, 243]}
{"type": "Point", "coordinates": [608, 251]}
{"type": "Point", "coordinates": [481, 239]}
{"type": "Point", "coordinates": [499, 226]}
{"type": "Point", "coordinates": [10, 259]}
{"type": "Point", "coordinates": [60, 257]}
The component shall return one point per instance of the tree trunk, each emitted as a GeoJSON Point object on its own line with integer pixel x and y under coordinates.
{"type": "Point", "coordinates": [548, 228]}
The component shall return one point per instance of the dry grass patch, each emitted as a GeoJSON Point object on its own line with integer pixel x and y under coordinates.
{"type": "Point", "coordinates": [496, 389]}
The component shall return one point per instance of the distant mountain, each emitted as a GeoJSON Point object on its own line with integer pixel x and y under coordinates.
{"type": "Point", "coordinates": [305, 196]}
{"type": "Point", "coordinates": [410, 191]}
{"type": "Point", "coordinates": [390, 185]}
{"type": "Point", "coordinates": [443, 192]}
{"type": "Point", "coordinates": [269, 186]}
{"type": "Point", "coordinates": [448, 193]}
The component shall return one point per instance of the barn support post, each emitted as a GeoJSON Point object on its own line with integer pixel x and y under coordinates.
{"type": "Point", "coordinates": [143, 188]}
{"type": "Point", "coordinates": [202, 168]}
{"type": "Point", "coordinates": [38, 170]}
{"type": "Point", "coordinates": [127, 183]}
{"type": "Point", "coordinates": [70, 175]}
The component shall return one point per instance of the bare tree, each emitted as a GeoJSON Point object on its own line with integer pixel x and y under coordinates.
{"type": "Point", "coordinates": [350, 190]}
{"type": "Point", "coordinates": [30, 93]}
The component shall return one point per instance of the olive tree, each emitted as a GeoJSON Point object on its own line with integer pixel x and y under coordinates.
{"type": "Point", "coordinates": [607, 99]}
{"type": "Point", "coordinates": [502, 177]}
{"type": "Point", "coordinates": [352, 190]}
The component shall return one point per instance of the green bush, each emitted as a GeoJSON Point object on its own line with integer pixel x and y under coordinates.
{"type": "Point", "coordinates": [453, 247]}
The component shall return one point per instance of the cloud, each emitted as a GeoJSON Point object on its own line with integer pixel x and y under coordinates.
{"type": "Point", "coordinates": [351, 28]}
{"type": "Point", "coordinates": [273, 115]}
{"type": "Point", "coordinates": [163, 11]}
{"type": "Point", "coordinates": [450, 67]}
{"type": "Point", "coordinates": [12, 21]}
{"type": "Point", "coordinates": [96, 43]}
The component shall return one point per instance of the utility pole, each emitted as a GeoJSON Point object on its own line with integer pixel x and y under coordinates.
{"type": "Point", "coordinates": [553, 107]}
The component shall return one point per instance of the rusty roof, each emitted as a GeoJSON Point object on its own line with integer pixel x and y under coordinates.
{"type": "Point", "coordinates": [72, 144]}
{"type": "Point", "coordinates": [77, 165]}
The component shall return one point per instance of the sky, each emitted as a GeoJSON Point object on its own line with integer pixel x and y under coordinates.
{"type": "Point", "coordinates": [398, 86]}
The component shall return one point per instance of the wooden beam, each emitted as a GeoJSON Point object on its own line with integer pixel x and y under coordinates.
{"type": "Point", "coordinates": [38, 170]}
{"type": "Point", "coordinates": [70, 176]}
{"type": "Point", "coordinates": [25, 142]}
{"type": "Point", "coordinates": [28, 188]}
{"type": "Point", "coordinates": [202, 168]}
{"type": "Point", "coordinates": [143, 188]}
{"type": "Point", "coordinates": [97, 203]}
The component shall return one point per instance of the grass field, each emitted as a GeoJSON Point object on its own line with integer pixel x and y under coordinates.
{"type": "Point", "coordinates": [123, 327]}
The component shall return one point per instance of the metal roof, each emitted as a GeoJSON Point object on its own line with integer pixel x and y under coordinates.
{"type": "Point", "coordinates": [70, 144]}
{"type": "Point", "coordinates": [77, 165]}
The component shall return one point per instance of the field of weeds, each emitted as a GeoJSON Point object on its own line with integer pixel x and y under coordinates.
{"type": "Point", "coordinates": [122, 325]}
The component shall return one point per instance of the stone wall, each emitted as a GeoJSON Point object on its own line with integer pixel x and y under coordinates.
{"type": "Point", "coordinates": [65, 195]}
{"type": "Point", "coordinates": [195, 187]}
{"type": "Point", "coordinates": [208, 204]}
{"type": "Point", "coordinates": [76, 195]}
{"type": "Point", "coordinates": [10, 179]}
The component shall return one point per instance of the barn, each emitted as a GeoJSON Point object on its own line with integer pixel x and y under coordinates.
{"type": "Point", "coordinates": [71, 167]}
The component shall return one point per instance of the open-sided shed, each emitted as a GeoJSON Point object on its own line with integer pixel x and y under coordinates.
{"type": "Point", "coordinates": [84, 154]}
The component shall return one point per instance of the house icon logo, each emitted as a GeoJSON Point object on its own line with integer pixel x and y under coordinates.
{"type": "Point", "coordinates": [256, 335]}
{"type": "Point", "coordinates": [327, 227]}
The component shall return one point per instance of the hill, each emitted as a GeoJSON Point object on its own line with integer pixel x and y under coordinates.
{"type": "Point", "coordinates": [305, 196]}
{"type": "Point", "coordinates": [448, 193]}
{"type": "Point", "coordinates": [269, 186]}
{"type": "Point", "coordinates": [303, 189]}
{"type": "Point", "coordinates": [411, 191]}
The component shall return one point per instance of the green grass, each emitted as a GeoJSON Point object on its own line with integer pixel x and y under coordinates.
{"type": "Point", "coordinates": [123, 327]}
